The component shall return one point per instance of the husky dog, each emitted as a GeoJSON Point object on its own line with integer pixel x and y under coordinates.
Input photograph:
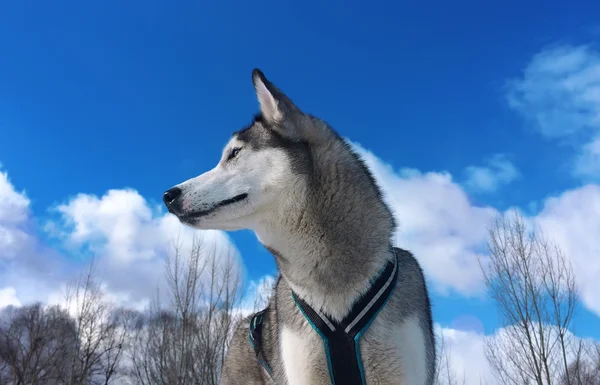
{"type": "Point", "coordinates": [313, 203]}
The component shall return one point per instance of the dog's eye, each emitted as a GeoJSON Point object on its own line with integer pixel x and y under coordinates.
{"type": "Point", "coordinates": [233, 153]}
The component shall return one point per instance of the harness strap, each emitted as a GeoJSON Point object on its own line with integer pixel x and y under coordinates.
{"type": "Point", "coordinates": [342, 339]}
{"type": "Point", "coordinates": [255, 338]}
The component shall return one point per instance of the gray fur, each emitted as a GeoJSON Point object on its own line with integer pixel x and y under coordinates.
{"type": "Point", "coordinates": [329, 236]}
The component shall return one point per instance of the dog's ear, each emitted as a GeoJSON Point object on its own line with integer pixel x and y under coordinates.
{"type": "Point", "coordinates": [270, 106]}
{"type": "Point", "coordinates": [282, 115]}
{"type": "Point", "coordinates": [274, 104]}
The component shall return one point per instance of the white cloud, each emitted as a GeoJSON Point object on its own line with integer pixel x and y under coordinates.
{"type": "Point", "coordinates": [130, 240]}
{"type": "Point", "coordinates": [587, 163]}
{"type": "Point", "coordinates": [119, 225]}
{"type": "Point", "coordinates": [14, 206]}
{"type": "Point", "coordinates": [573, 220]}
{"type": "Point", "coordinates": [447, 233]}
{"type": "Point", "coordinates": [464, 352]}
{"type": "Point", "coordinates": [8, 297]}
{"type": "Point", "coordinates": [437, 222]}
{"type": "Point", "coordinates": [26, 267]}
{"type": "Point", "coordinates": [257, 295]}
{"type": "Point", "coordinates": [74, 299]}
{"type": "Point", "coordinates": [14, 215]}
{"type": "Point", "coordinates": [499, 171]}
{"type": "Point", "coordinates": [559, 93]}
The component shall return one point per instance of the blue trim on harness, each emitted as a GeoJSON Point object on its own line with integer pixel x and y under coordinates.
{"type": "Point", "coordinates": [325, 340]}
{"type": "Point", "coordinates": [363, 330]}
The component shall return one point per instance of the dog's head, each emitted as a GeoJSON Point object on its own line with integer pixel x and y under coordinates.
{"type": "Point", "coordinates": [259, 167]}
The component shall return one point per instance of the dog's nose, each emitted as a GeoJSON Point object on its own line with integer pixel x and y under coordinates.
{"type": "Point", "coordinates": [171, 195]}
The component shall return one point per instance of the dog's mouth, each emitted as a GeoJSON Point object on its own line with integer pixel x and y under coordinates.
{"type": "Point", "coordinates": [201, 213]}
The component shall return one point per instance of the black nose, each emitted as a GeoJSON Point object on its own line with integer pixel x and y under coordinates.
{"type": "Point", "coordinates": [170, 196]}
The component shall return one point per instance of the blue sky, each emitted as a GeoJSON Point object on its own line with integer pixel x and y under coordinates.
{"type": "Point", "coordinates": [143, 95]}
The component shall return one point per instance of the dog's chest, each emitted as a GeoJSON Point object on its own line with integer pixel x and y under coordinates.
{"type": "Point", "coordinates": [303, 356]}
{"type": "Point", "coordinates": [395, 354]}
{"type": "Point", "coordinates": [391, 354]}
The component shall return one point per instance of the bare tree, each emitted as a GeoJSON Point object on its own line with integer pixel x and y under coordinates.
{"type": "Point", "coordinates": [534, 287]}
{"type": "Point", "coordinates": [445, 374]}
{"type": "Point", "coordinates": [585, 368]}
{"type": "Point", "coordinates": [582, 373]}
{"type": "Point", "coordinates": [101, 331]}
{"type": "Point", "coordinates": [47, 345]}
{"type": "Point", "coordinates": [264, 290]}
{"type": "Point", "coordinates": [185, 342]}
{"type": "Point", "coordinates": [34, 342]}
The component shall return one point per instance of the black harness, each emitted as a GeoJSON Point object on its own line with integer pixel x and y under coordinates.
{"type": "Point", "coordinates": [255, 338]}
{"type": "Point", "coordinates": [341, 339]}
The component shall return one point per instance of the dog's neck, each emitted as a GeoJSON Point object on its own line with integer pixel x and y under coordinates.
{"type": "Point", "coordinates": [330, 244]}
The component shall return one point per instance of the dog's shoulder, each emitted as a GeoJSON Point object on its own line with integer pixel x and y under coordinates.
{"type": "Point", "coordinates": [411, 292]}
{"type": "Point", "coordinates": [409, 264]}
{"type": "Point", "coordinates": [241, 365]}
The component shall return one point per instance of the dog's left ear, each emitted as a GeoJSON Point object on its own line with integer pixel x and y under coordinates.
{"type": "Point", "coordinates": [274, 104]}
{"type": "Point", "coordinates": [269, 104]}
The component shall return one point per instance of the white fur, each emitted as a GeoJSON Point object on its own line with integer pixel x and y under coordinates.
{"type": "Point", "coordinates": [263, 175]}
{"type": "Point", "coordinates": [296, 351]}
{"type": "Point", "coordinates": [410, 345]}
{"type": "Point", "coordinates": [395, 353]}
